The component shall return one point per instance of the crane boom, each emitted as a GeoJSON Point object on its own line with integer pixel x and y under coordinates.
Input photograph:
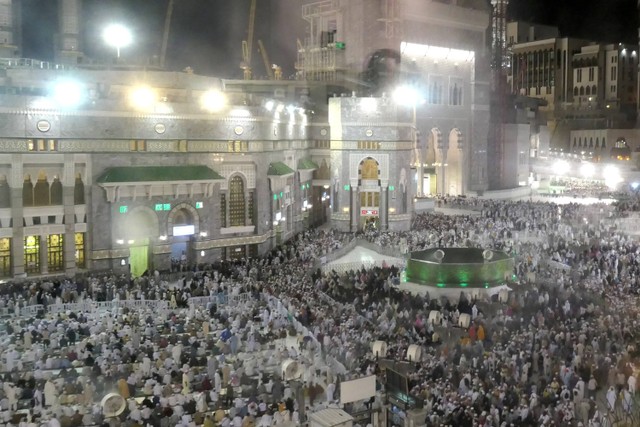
{"type": "Point", "coordinates": [165, 34]}
{"type": "Point", "coordinates": [265, 59]}
{"type": "Point", "coordinates": [247, 45]}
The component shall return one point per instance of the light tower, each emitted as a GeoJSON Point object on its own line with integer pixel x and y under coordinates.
{"type": "Point", "coordinates": [500, 63]}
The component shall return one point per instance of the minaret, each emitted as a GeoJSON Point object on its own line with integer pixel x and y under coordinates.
{"type": "Point", "coordinates": [68, 49]}
{"type": "Point", "coordinates": [8, 47]}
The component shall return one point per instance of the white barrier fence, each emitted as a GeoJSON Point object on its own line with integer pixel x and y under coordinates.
{"type": "Point", "coordinates": [221, 299]}
{"type": "Point", "coordinates": [159, 306]}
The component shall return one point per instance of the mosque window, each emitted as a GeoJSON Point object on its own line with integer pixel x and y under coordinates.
{"type": "Point", "coordinates": [27, 191]}
{"type": "Point", "coordinates": [5, 257]}
{"type": "Point", "coordinates": [41, 196]}
{"type": "Point", "coordinates": [79, 243]}
{"type": "Point", "coordinates": [78, 191]}
{"type": "Point", "coordinates": [251, 207]}
{"type": "Point", "coordinates": [237, 206]}
{"type": "Point", "coordinates": [223, 210]}
{"type": "Point", "coordinates": [55, 252]}
{"type": "Point", "coordinates": [56, 192]}
{"type": "Point", "coordinates": [32, 254]}
{"type": "Point", "coordinates": [5, 193]}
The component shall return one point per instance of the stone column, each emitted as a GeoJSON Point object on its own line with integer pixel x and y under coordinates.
{"type": "Point", "coordinates": [17, 213]}
{"type": "Point", "coordinates": [355, 215]}
{"type": "Point", "coordinates": [44, 267]}
{"type": "Point", "coordinates": [69, 242]}
{"type": "Point", "coordinates": [384, 207]}
{"type": "Point", "coordinates": [246, 208]}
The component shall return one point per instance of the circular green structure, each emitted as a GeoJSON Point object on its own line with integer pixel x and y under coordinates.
{"type": "Point", "coordinates": [459, 268]}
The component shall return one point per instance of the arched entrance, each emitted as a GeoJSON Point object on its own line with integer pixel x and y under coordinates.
{"type": "Point", "coordinates": [369, 186]}
{"type": "Point", "coordinates": [137, 228]}
{"type": "Point", "coordinates": [454, 181]}
{"type": "Point", "coordinates": [182, 231]}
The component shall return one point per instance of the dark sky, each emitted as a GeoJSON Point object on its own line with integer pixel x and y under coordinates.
{"type": "Point", "coordinates": [207, 34]}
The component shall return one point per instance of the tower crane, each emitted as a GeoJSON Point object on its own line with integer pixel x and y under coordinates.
{"type": "Point", "coordinates": [247, 45]}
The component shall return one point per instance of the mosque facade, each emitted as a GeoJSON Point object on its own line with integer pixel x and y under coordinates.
{"type": "Point", "coordinates": [127, 170]}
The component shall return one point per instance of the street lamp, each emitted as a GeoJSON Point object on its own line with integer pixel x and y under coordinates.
{"type": "Point", "coordinates": [118, 36]}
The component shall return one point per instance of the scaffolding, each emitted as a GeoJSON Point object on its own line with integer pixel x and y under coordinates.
{"type": "Point", "coordinates": [320, 58]}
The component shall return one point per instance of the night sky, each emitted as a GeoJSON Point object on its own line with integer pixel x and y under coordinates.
{"type": "Point", "coordinates": [207, 35]}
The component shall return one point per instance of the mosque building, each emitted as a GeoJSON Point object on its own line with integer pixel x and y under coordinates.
{"type": "Point", "coordinates": [125, 170]}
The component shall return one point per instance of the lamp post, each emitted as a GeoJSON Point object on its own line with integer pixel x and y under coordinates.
{"type": "Point", "coordinates": [118, 36]}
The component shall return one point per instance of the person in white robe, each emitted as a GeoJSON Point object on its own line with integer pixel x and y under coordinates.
{"type": "Point", "coordinates": [50, 394]}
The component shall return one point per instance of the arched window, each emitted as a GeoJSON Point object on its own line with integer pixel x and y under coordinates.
{"type": "Point", "coordinates": [580, 142]}
{"type": "Point", "coordinates": [237, 206]}
{"type": "Point", "coordinates": [574, 141]}
{"type": "Point", "coordinates": [588, 91]}
{"type": "Point", "coordinates": [604, 143]}
{"type": "Point", "coordinates": [5, 193]}
{"type": "Point", "coordinates": [27, 191]}
{"type": "Point", "coordinates": [78, 191]}
{"type": "Point", "coordinates": [575, 91]}
{"type": "Point", "coordinates": [56, 192]}
{"type": "Point", "coordinates": [594, 90]}
{"type": "Point", "coordinates": [369, 169]}
{"type": "Point", "coordinates": [41, 191]}
{"type": "Point", "coordinates": [591, 143]}
{"type": "Point", "coordinates": [582, 91]}
{"type": "Point", "coordinates": [597, 142]}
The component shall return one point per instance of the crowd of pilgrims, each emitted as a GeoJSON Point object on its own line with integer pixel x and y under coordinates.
{"type": "Point", "coordinates": [559, 352]}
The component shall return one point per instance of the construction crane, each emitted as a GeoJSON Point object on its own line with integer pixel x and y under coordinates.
{"type": "Point", "coordinates": [265, 59]}
{"type": "Point", "coordinates": [273, 71]}
{"type": "Point", "coordinates": [247, 45]}
{"type": "Point", "coordinates": [165, 34]}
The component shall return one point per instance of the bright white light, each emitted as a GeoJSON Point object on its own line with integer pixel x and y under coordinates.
{"type": "Point", "coordinates": [120, 242]}
{"type": "Point", "coordinates": [131, 242]}
{"type": "Point", "coordinates": [201, 253]}
{"type": "Point", "coordinates": [143, 98]}
{"type": "Point", "coordinates": [280, 108]}
{"type": "Point", "coordinates": [203, 234]}
{"type": "Point", "coordinates": [587, 170]}
{"type": "Point", "coordinates": [436, 53]}
{"type": "Point", "coordinates": [269, 105]}
{"type": "Point", "coordinates": [561, 167]}
{"type": "Point", "coordinates": [240, 112]}
{"type": "Point", "coordinates": [163, 237]}
{"type": "Point", "coordinates": [612, 176]}
{"type": "Point", "coordinates": [291, 109]}
{"type": "Point", "coordinates": [368, 105]}
{"type": "Point", "coordinates": [635, 185]}
{"type": "Point", "coordinates": [213, 101]}
{"type": "Point", "coordinates": [184, 230]}
{"type": "Point", "coordinates": [68, 93]}
{"type": "Point", "coordinates": [406, 95]}
{"type": "Point", "coordinates": [118, 36]}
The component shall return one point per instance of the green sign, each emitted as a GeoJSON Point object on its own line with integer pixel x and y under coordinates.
{"type": "Point", "coordinates": [392, 188]}
{"type": "Point", "coordinates": [347, 187]}
{"type": "Point", "coordinates": [166, 207]}
{"type": "Point", "coordinates": [124, 209]}
{"type": "Point", "coordinates": [275, 197]}
{"type": "Point", "coordinates": [199, 205]}
{"type": "Point", "coordinates": [158, 207]}
{"type": "Point", "coordinates": [340, 45]}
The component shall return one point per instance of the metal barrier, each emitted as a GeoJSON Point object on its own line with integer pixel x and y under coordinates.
{"type": "Point", "coordinates": [219, 299]}
{"type": "Point", "coordinates": [31, 310]}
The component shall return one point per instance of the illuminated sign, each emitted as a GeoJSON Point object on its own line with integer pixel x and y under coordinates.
{"type": "Point", "coordinates": [369, 212]}
{"type": "Point", "coordinates": [184, 230]}
{"type": "Point", "coordinates": [124, 209]}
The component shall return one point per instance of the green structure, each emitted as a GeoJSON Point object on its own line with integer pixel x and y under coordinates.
{"type": "Point", "coordinates": [459, 268]}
